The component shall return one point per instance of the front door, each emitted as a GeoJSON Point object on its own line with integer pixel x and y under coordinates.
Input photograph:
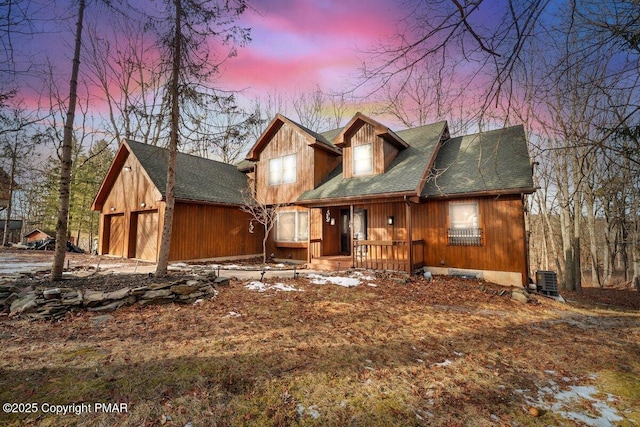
{"type": "Point", "coordinates": [359, 228]}
{"type": "Point", "coordinates": [345, 232]}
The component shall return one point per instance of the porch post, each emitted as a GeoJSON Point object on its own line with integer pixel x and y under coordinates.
{"type": "Point", "coordinates": [409, 236]}
{"type": "Point", "coordinates": [353, 250]}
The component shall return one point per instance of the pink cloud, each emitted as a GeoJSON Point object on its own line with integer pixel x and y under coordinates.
{"type": "Point", "coordinates": [298, 44]}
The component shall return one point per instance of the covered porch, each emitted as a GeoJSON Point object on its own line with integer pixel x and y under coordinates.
{"type": "Point", "coordinates": [375, 236]}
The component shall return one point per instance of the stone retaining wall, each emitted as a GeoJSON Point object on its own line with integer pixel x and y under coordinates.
{"type": "Point", "coordinates": [52, 304]}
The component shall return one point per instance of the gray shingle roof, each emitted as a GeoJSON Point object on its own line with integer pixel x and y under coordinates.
{"type": "Point", "coordinates": [484, 162]}
{"type": "Point", "coordinates": [197, 178]}
{"type": "Point", "coordinates": [403, 175]}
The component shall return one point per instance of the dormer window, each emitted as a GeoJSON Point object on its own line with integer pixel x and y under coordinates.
{"type": "Point", "coordinates": [282, 170]}
{"type": "Point", "coordinates": [363, 159]}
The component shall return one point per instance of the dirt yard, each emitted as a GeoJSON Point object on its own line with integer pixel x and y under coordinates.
{"type": "Point", "coordinates": [302, 352]}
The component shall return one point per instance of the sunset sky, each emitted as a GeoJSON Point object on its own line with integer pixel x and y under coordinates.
{"type": "Point", "coordinates": [296, 44]}
{"type": "Point", "coordinates": [300, 43]}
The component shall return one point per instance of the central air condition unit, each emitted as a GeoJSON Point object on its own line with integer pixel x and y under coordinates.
{"type": "Point", "coordinates": [547, 282]}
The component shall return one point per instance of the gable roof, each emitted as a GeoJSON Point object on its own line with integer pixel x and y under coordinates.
{"type": "Point", "coordinates": [314, 139]}
{"type": "Point", "coordinates": [403, 176]}
{"type": "Point", "coordinates": [197, 179]}
{"type": "Point", "coordinates": [50, 233]}
{"type": "Point", "coordinates": [380, 130]}
{"type": "Point", "coordinates": [489, 162]}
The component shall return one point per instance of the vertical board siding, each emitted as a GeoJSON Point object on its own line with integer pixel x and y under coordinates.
{"type": "Point", "coordinates": [130, 189]}
{"type": "Point", "coordinates": [383, 152]}
{"type": "Point", "coordinates": [146, 236]}
{"type": "Point", "coordinates": [323, 164]}
{"type": "Point", "coordinates": [503, 244]}
{"type": "Point", "coordinates": [115, 229]}
{"type": "Point", "coordinates": [207, 231]}
{"type": "Point", "coordinates": [287, 140]}
{"type": "Point", "coordinates": [377, 226]}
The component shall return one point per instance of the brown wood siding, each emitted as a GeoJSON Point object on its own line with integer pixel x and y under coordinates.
{"type": "Point", "coordinates": [316, 221]}
{"type": "Point", "coordinates": [383, 152]}
{"type": "Point", "coordinates": [287, 140]}
{"type": "Point", "coordinates": [38, 236]}
{"type": "Point", "coordinates": [207, 231]}
{"type": "Point", "coordinates": [324, 163]}
{"type": "Point", "coordinates": [389, 152]}
{"type": "Point", "coordinates": [377, 226]}
{"type": "Point", "coordinates": [115, 230]}
{"type": "Point", "coordinates": [130, 189]}
{"type": "Point", "coordinates": [503, 241]}
{"type": "Point", "coordinates": [146, 236]}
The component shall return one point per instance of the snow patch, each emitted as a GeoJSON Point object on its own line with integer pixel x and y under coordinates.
{"type": "Point", "coordinates": [577, 403]}
{"type": "Point", "coordinates": [347, 282]}
{"type": "Point", "coordinates": [263, 287]}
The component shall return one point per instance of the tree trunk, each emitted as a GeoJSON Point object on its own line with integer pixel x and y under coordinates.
{"type": "Point", "coordinates": [165, 243]}
{"type": "Point", "coordinates": [12, 175]}
{"type": "Point", "coordinates": [577, 264]}
{"type": "Point", "coordinates": [66, 162]}
{"type": "Point", "coordinates": [593, 244]}
{"type": "Point", "coordinates": [264, 245]}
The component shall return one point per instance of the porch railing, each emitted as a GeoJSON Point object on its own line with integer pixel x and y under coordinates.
{"type": "Point", "coordinates": [387, 254]}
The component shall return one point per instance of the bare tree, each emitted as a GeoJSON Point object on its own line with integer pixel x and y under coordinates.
{"type": "Point", "coordinates": [66, 161]}
{"type": "Point", "coordinates": [264, 214]}
{"type": "Point", "coordinates": [16, 151]}
{"type": "Point", "coordinates": [192, 24]}
{"type": "Point", "coordinates": [133, 82]}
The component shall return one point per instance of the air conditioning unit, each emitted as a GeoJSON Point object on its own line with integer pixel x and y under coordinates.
{"type": "Point", "coordinates": [547, 282]}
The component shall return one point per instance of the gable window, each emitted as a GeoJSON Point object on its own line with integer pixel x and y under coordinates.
{"type": "Point", "coordinates": [282, 170]}
{"type": "Point", "coordinates": [292, 226]}
{"type": "Point", "coordinates": [362, 159]}
{"type": "Point", "coordinates": [464, 229]}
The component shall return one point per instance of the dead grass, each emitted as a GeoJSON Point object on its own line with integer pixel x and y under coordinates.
{"type": "Point", "coordinates": [439, 353]}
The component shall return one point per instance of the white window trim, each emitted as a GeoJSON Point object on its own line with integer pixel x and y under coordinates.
{"type": "Point", "coordinates": [280, 177]}
{"type": "Point", "coordinates": [296, 231]}
{"type": "Point", "coordinates": [369, 170]}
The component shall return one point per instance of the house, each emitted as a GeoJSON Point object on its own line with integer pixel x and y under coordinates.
{"type": "Point", "coordinates": [14, 229]}
{"type": "Point", "coordinates": [366, 196]}
{"type": "Point", "coordinates": [5, 189]}
{"type": "Point", "coordinates": [38, 234]}
{"type": "Point", "coordinates": [207, 220]}
{"type": "Point", "coordinates": [361, 196]}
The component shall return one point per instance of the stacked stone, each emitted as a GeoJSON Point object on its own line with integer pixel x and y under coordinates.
{"type": "Point", "coordinates": [53, 304]}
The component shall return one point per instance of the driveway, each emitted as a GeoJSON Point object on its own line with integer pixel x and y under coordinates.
{"type": "Point", "coordinates": [16, 261]}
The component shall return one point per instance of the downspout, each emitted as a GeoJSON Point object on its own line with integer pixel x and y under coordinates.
{"type": "Point", "coordinates": [409, 235]}
{"type": "Point", "coordinates": [527, 237]}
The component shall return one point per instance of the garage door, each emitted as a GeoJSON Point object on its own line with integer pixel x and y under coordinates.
{"type": "Point", "coordinates": [147, 235]}
{"type": "Point", "coordinates": [116, 234]}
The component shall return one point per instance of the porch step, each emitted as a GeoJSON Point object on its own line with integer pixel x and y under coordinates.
{"type": "Point", "coordinates": [334, 263]}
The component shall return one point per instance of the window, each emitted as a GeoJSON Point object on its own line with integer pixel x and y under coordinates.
{"type": "Point", "coordinates": [282, 170]}
{"type": "Point", "coordinates": [464, 225]}
{"type": "Point", "coordinates": [292, 226]}
{"type": "Point", "coordinates": [362, 159]}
